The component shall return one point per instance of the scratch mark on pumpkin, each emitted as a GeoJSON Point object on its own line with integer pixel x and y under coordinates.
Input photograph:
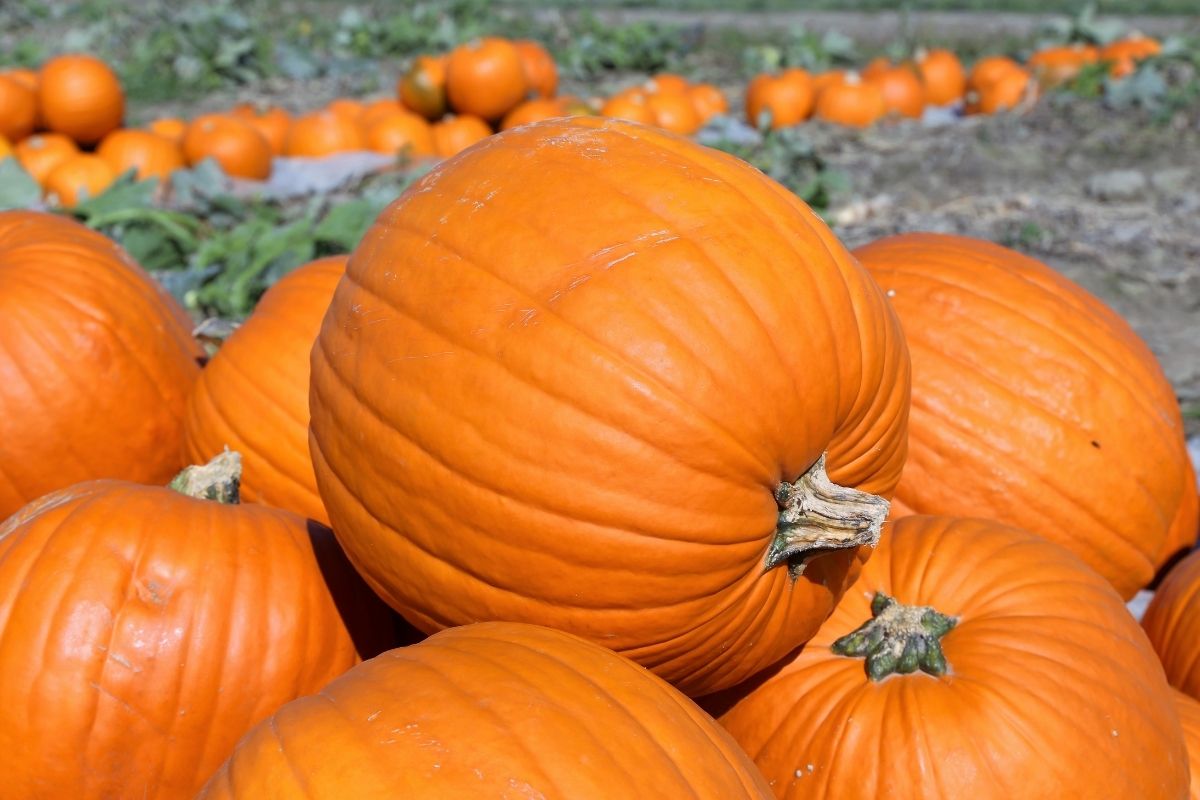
{"type": "Point", "coordinates": [131, 709]}
{"type": "Point", "coordinates": [419, 355]}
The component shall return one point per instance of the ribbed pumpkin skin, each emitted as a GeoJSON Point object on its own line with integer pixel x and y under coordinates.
{"type": "Point", "coordinates": [1034, 404]}
{"type": "Point", "coordinates": [95, 365]}
{"type": "Point", "coordinates": [1052, 689]}
{"type": "Point", "coordinates": [1172, 621]}
{"type": "Point", "coordinates": [253, 395]}
{"type": "Point", "coordinates": [519, 414]}
{"type": "Point", "coordinates": [491, 710]}
{"type": "Point", "coordinates": [143, 632]}
{"type": "Point", "coordinates": [1189, 717]}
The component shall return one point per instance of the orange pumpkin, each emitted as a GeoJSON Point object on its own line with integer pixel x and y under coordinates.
{"type": "Point", "coordinates": [485, 78]}
{"type": "Point", "coordinates": [78, 177]}
{"type": "Point", "coordinates": [624, 469]}
{"type": "Point", "coordinates": [491, 710]}
{"type": "Point", "coordinates": [399, 131]}
{"type": "Point", "coordinates": [171, 128]}
{"type": "Point", "coordinates": [541, 73]}
{"type": "Point", "coordinates": [456, 133]}
{"type": "Point", "coordinates": [322, 134]}
{"type": "Point", "coordinates": [970, 660]}
{"type": "Point", "coordinates": [1035, 405]}
{"type": "Point", "coordinates": [708, 100]}
{"type": "Point", "coordinates": [1053, 66]}
{"type": "Point", "coordinates": [377, 109]}
{"type": "Point", "coordinates": [41, 153]}
{"type": "Point", "coordinates": [5, 149]}
{"type": "Point", "coordinates": [988, 70]}
{"type": "Point", "coordinates": [252, 397]}
{"type": "Point", "coordinates": [73, 305]}
{"type": "Point", "coordinates": [628, 107]}
{"type": "Point", "coordinates": [1135, 48]}
{"type": "Point", "coordinates": [25, 77]}
{"type": "Point", "coordinates": [674, 112]}
{"type": "Point", "coordinates": [788, 98]}
{"type": "Point", "coordinates": [1189, 717]}
{"type": "Point", "coordinates": [18, 109]}
{"type": "Point", "coordinates": [347, 108]}
{"type": "Point", "coordinates": [875, 67]}
{"type": "Point", "coordinates": [151, 155]}
{"type": "Point", "coordinates": [902, 91]}
{"type": "Point", "coordinates": [1005, 92]}
{"type": "Point", "coordinates": [241, 150]}
{"type": "Point", "coordinates": [1172, 620]}
{"type": "Point", "coordinates": [532, 111]}
{"type": "Point", "coordinates": [273, 124]}
{"type": "Point", "coordinates": [184, 622]}
{"type": "Point", "coordinates": [853, 102]}
{"type": "Point", "coordinates": [943, 75]}
{"type": "Point", "coordinates": [81, 97]}
{"type": "Point", "coordinates": [423, 87]}
{"type": "Point", "coordinates": [666, 83]}
{"type": "Point", "coordinates": [835, 77]}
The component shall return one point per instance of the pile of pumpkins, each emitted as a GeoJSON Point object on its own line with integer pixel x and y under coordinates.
{"type": "Point", "coordinates": [600, 469]}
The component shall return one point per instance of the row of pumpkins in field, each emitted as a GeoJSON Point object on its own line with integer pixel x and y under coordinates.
{"type": "Point", "coordinates": [444, 104]}
{"type": "Point", "coordinates": [615, 420]}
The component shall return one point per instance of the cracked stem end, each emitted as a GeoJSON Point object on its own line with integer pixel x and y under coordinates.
{"type": "Point", "coordinates": [219, 479]}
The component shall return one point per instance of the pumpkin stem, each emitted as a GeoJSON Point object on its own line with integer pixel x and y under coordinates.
{"type": "Point", "coordinates": [898, 639]}
{"type": "Point", "coordinates": [816, 516]}
{"type": "Point", "coordinates": [219, 479]}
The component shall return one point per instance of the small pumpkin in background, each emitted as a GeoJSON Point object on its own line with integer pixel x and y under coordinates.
{"type": "Point", "coordinates": [239, 149]}
{"type": "Point", "coordinates": [102, 352]}
{"type": "Point", "coordinates": [273, 124]}
{"type": "Point", "coordinates": [1007, 93]}
{"type": "Point", "coordinates": [150, 155]}
{"type": "Point", "coordinates": [674, 112]}
{"type": "Point", "coordinates": [787, 98]}
{"type": "Point", "coordinates": [172, 128]}
{"type": "Point", "coordinates": [485, 78]}
{"type": "Point", "coordinates": [532, 111]}
{"type": "Point", "coordinates": [833, 77]}
{"type": "Point", "coordinates": [347, 108]}
{"type": "Point", "coordinates": [1136, 47]}
{"type": "Point", "coordinates": [708, 100]}
{"type": "Point", "coordinates": [969, 660]}
{"type": "Point", "coordinates": [81, 97]}
{"type": "Point", "coordinates": [902, 91]}
{"type": "Point", "coordinates": [42, 152]}
{"type": "Point", "coordinates": [397, 131]}
{"type": "Point", "coordinates": [875, 67]}
{"type": "Point", "coordinates": [1172, 621]}
{"type": "Point", "coordinates": [77, 178]}
{"type": "Point", "coordinates": [322, 133]}
{"type": "Point", "coordinates": [989, 69]}
{"type": "Point", "coordinates": [631, 107]}
{"type": "Point", "coordinates": [22, 75]}
{"type": "Point", "coordinates": [145, 629]}
{"type": "Point", "coordinates": [382, 107]}
{"type": "Point", "coordinates": [943, 75]}
{"type": "Point", "coordinates": [852, 102]}
{"type": "Point", "coordinates": [1035, 404]}
{"type": "Point", "coordinates": [666, 83]}
{"type": "Point", "coordinates": [456, 133]}
{"type": "Point", "coordinates": [1053, 66]}
{"type": "Point", "coordinates": [18, 109]}
{"type": "Point", "coordinates": [541, 73]}
{"type": "Point", "coordinates": [252, 396]}
{"type": "Point", "coordinates": [423, 87]}
{"type": "Point", "coordinates": [507, 706]}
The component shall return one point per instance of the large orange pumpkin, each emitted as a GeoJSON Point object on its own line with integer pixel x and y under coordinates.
{"type": "Point", "coordinates": [1172, 620]}
{"type": "Point", "coordinates": [616, 429]}
{"type": "Point", "coordinates": [18, 109]}
{"type": "Point", "coordinates": [970, 660]}
{"type": "Point", "coordinates": [1189, 717]}
{"type": "Point", "coordinates": [80, 96]}
{"type": "Point", "coordinates": [96, 364]}
{"type": "Point", "coordinates": [144, 630]}
{"type": "Point", "coordinates": [491, 710]}
{"type": "Point", "coordinates": [253, 395]}
{"type": "Point", "coordinates": [943, 75]}
{"type": "Point", "coordinates": [485, 78]}
{"type": "Point", "coordinates": [151, 155]}
{"type": "Point", "coordinates": [1036, 405]}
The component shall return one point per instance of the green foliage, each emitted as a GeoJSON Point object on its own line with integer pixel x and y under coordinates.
{"type": "Point", "coordinates": [802, 48]}
{"type": "Point", "coordinates": [593, 47]}
{"type": "Point", "coordinates": [17, 188]}
{"type": "Point", "coordinates": [788, 156]}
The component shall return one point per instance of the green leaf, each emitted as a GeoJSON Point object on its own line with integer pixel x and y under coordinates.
{"type": "Point", "coordinates": [17, 188]}
{"type": "Point", "coordinates": [344, 225]}
{"type": "Point", "coordinates": [125, 192]}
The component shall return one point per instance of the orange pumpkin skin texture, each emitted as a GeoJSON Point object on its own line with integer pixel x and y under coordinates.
{"type": "Point", "coordinates": [81, 97]}
{"type": "Point", "coordinates": [78, 177]}
{"type": "Point", "coordinates": [5, 149]}
{"type": "Point", "coordinates": [240, 150]}
{"type": "Point", "coordinates": [541, 73]}
{"type": "Point", "coordinates": [72, 297]}
{"type": "Point", "coordinates": [853, 102]}
{"type": "Point", "coordinates": [41, 153]}
{"type": "Point", "coordinates": [423, 88]}
{"type": "Point", "coordinates": [581, 444]}
{"type": "Point", "coordinates": [944, 77]}
{"type": "Point", "coordinates": [252, 396]}
{"type": "Point", "coordinates": [179, 624]}
{"type": "Point", "coordinates": [1189, 717]}
{"type": "Point", "coordinates": [18, 109]}
{"type": "Point", "coordinates": [1050, 689]}
{"type": "Point", "coordinates": [454, 134]}
{"type": "Point", "coordinates": [485, 78]}
{"type": "Point", "coordinates": [1036, 405]}
{"type": "Point", "coordinates": [902, 91]}
{"type": "Point", "coordinates": [322, 134]}
{"type": "Point", "coordinates": [151, 155]}
{"type": "Point", "coordinates": [788, 97]}
{"type": "Point", "coordinates": [503, 710]}
{"type": "Point", "coordinates": [1172, 621]}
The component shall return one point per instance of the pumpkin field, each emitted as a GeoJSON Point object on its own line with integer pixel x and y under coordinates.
{"type": "Point", "coordinates": [607, 399]}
